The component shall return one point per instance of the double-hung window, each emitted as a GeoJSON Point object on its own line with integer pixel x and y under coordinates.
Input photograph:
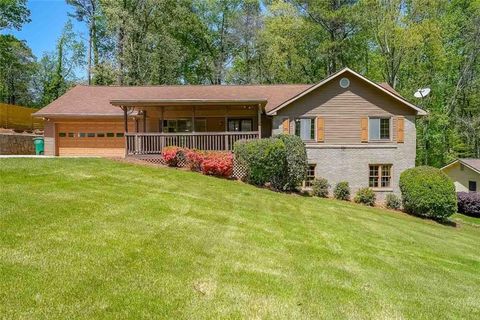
{"type": "Point", "coordinates": [379, 128]}
{"type": "Point", "coordinates": [380, 176]}
{"type": "Point", "coordinates": [305, 128]}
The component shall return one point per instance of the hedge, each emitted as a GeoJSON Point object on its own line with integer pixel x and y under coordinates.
{"type": "Point", "coordinates": [280, 161]}
{"type": "Point", "coordinates": [428, 192]}
{"type": "Point", "coordinates": [469, 203]}
{"type": "Point", "coordinates": [265, 160]}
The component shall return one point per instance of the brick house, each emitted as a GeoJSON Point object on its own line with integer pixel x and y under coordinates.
{"type": "Point", "coordinates": [354, 129]}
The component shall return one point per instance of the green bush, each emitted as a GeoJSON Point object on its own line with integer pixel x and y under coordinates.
{"type": "Point", "coordinates": [297, 163]}
{"type": "Point", "coordinates": [279, 161]}
{"type": "Point", "coordinates": [365, 196]}
{"type": "Point", "coordinates": [265, 160]}
{"type": "Point", "coordinates": [342, 191]}
{"type": "Point", "coordinates": [392, 201]}
{"type": "Point", "coordinates": [428, 192]}
{"type": "Point", "coordinates": [320, 187]}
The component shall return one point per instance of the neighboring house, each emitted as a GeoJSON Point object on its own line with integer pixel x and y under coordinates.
{"type": "Point", "coordinates": [355, 130]}
{"type": "Point", "coordinates": [465, 173]}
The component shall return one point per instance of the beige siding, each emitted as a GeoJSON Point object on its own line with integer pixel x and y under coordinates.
{"type": "Point", "coordinates": [342, 109]}
{"type": "Point", "coordinates": [462, 177]}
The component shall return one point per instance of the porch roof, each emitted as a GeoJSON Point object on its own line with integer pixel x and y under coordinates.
{"type": "Point", "coordinates": [183, 102]}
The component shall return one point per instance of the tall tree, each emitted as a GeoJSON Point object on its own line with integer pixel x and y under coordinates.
{"type": "Point", "coordinates": [13, 14]}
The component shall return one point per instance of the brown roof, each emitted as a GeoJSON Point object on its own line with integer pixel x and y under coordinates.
{"type": "Point", "coordinates": [389, 88]}
{"type": "Point", "coordinates": [96, 100]}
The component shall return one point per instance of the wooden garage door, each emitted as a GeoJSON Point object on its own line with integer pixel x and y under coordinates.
{"type": "Point", "coordinates": [91, 139]}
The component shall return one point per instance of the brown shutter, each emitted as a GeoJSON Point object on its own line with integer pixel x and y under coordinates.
{"type": "Point", "coordinates": [400, 129]}
{"type": "Point", "coordinates": [286, 125]}
{"type": "Point", "coordinates": [364, 129]}
{"type": "Point", "coordinates": [320, 129]}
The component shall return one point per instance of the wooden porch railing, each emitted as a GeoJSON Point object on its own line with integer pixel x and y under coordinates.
{"type": "Point", "coordinates": [153, 143]}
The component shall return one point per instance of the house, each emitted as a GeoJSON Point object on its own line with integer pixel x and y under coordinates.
{"type": "Point", "coordinates": [465, 174]}
{"type": "Point", "coordinates": [354, 129]}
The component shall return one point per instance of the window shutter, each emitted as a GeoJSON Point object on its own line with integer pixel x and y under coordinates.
{"type": "Point", "coordinates": [320, 129]}
{"type": "Point", "coordinates": [400, 129]}
{"type": "Point", "coordinates": [286, 125]}
{"type": "Point", "coordinates": [364, 129]}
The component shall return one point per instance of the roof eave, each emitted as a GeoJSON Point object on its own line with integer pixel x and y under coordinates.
{"type": "Point", "coordinates": [178, 102]}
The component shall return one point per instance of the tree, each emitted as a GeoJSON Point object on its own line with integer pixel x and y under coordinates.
{"type": "Point", "coordinates": [13, 14]}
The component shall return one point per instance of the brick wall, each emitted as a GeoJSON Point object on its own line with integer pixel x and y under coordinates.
{"type": "Point", "coordinates": [16, 143]}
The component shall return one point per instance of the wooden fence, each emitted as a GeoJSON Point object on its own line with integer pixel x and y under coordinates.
{"type": "Point", "coordinates": [18, 118]}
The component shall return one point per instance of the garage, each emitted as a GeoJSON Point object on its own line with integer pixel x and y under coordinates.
{"type": "Point", "coordinates": [104, 139]}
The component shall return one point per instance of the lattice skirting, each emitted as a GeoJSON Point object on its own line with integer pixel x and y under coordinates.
{"type": "Point", "coordinates": [239, 170]}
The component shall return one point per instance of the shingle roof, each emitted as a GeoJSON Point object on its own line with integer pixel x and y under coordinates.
{"type": "Point", "coordinates": [472, 163]}
{"type": "Point", "coordinates": [84, 100]}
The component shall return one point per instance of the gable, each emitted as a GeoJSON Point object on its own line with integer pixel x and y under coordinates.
{"type": "Point", "coordinates": [361, 88]}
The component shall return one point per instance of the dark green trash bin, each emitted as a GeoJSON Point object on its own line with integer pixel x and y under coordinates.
{"type": "Point", "coordinates": [39, 145]}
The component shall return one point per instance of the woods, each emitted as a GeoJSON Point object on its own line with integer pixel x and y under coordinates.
{"type": "Point", "coordinates": [409, 44]}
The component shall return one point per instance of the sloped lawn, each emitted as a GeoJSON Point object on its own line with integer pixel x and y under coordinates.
{"type": "Point", "coordinates": [92, 238]}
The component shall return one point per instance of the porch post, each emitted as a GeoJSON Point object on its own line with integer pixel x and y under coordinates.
{"type": "Point", "coordinates": [125, 118]}
{"type": "Point", "coordinates": [144, 120]}
{"type": "Point", "coordinates": [259, 121]}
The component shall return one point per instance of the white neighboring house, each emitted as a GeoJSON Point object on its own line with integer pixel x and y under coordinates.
{"type": "Point", "coordinates": [465, 173]}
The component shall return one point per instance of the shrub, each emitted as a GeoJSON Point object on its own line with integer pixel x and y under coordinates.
{"type": "Point", "coordinates": [320, 187]}
{"type": "Point", "coordinates": [173, 156]}
{"type": "Point", "coordinates": [264, 159]}
{"type": "Point", "coordinates": [365, 196]}
{"type": "Point", "coordinates": [428, 192]}
{"type": "Point", "coordinates": [218, 164]}
{"type": "Point", "coordinates": [194, 159]}
{"type": "Point", "coordinates": [392, 201]}
{"type": "Point", "coordinates": [342, 191]}
{"type": "Point", "coordinates": [297, 163]}
{"type": "Point", "coordinates": [469, 203]}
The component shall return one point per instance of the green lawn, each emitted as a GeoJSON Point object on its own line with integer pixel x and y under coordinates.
{"type": "Point", "coordinates": [93, 238]}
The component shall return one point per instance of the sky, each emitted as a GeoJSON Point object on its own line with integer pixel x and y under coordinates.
{"type": "Point", "coordinates": [47, 20]}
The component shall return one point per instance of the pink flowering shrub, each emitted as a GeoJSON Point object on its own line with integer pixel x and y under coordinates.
{"type": "Point", "coordinates": [218, 164]}
{"type": "Point", "coordinates": [172, 155]}
{"type": "Point", "coordinates": [194, 159]}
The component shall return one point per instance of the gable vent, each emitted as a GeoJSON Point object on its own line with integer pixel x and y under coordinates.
{"type": "Point", "coordinates": [344, 83]}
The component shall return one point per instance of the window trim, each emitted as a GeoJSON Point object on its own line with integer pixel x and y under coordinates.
{"type": "Point", "coordinates": [380, 167]}
{"type": "Point", "coordinates": [390, 124]}
{"type": "Point", "coordinates": [313, 119]}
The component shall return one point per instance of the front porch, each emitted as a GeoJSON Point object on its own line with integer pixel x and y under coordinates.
{"type": "Point", "coordinates": [196, 124]}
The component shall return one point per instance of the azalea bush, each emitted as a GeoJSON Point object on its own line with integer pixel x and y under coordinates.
{"type": "Point", "coordinates": [173, 156]}
{"type": "Point", "coordinates": [195, 159]}
{"type": "Point", "coordinates": [218, 164]}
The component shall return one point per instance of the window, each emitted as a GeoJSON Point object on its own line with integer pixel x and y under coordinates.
{"type": "Point", "coordinates": [62, 134]}
{"type": "Point", "coordinates": [110, 135]}
{"type": "Point", "coordinates": [100, 135]}
{"type": "Point", "coordinates": [177, 125]}
{"type": "Point", "coordinates": [380, 176]}
{"type": "Point", "coordinates": [472, 186]}
{"type": "Point", "coordinates": [82, 135]}
{"type": "Point", "coordinates": [379, 128]}
{"type": "Point", "coordinates": [310, 176]}
{"type": "Point", "coordinates": [91, 135]}
{"type": "Point", "coordinates": [305, 128]}
{"type": "Point", "coordinates": [240, 125]}
{"type": "Point", "coordinates": [119, 134]}
{"type": "Point", "coordinates": [71, 134]}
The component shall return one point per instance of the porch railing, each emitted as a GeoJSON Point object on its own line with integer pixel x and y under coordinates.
{"type": "Point", "coordinates": [153, 143]}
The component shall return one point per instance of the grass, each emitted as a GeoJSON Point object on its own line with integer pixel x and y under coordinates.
{"type": "Point", "coordinates": [92, 238]}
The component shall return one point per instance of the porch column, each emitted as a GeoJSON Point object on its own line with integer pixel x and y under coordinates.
{"type": "Point", "coordinates": [125, 118]}
{"type": "Point", "coordinates": [144, 120]}
{"type": "Point", "coordinates": [259, 121]}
